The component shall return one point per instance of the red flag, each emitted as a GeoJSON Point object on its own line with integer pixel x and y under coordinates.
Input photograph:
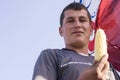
{"type": "Point", "coordinates": [108, 18]}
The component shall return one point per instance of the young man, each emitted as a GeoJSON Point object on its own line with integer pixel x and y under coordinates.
{"type": "Point", "coordinates": [73, 62]}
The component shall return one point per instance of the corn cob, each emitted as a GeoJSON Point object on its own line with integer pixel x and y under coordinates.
{"type": "Point", "coordinates": [100, 44]}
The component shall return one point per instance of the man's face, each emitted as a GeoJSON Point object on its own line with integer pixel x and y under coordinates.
{"type": "Point", "coordinates": [76, 28]}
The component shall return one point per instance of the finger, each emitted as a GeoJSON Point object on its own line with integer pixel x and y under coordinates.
{"type": "Point", "coordinates": [102, 62]}
{"type": "Point", "coordinates": [106, 68]}
{"type": "Point", "coordinates": [105, 71]}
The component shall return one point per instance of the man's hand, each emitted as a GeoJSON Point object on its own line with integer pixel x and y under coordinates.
{"type": "Point", "coordinates": [98, 71]}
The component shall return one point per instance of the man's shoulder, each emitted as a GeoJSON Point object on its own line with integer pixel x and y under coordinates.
{"type": "Point", "coordinates": [50, 52]}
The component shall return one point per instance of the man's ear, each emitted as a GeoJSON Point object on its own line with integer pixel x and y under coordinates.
{"type": "Point", "coordinates": [61, 31]}
{"type": "Point", "coordinates": [91, 29]}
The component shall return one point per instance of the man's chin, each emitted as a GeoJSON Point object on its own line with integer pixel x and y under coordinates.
{"type": "Point", "coordinates": [78, 43]}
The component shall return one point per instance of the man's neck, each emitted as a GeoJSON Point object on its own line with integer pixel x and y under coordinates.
{"type": "Point", "coordinates": [78, 49]}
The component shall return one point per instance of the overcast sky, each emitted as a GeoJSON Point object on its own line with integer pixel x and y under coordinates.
{"type": "Point", "coordinates": [26, 28]}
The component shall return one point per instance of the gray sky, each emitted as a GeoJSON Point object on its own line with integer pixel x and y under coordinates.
{"type": "Point", "coordinates": [26, 28]}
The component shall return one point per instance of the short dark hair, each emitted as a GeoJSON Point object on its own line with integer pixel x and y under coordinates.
{"type": "Point", "coordinates": [74, 6]}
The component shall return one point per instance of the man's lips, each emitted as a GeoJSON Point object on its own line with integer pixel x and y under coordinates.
{"type": "Point", "coordinates": [77, 32]}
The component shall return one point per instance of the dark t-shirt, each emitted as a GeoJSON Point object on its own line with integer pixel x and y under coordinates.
{"type": "Point", "coordinates": [61, 64]}
{"type": "Point", "coordinates": [69, 63]}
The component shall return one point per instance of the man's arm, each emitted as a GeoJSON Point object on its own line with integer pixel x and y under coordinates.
{"type": "Point", "coordinates": [45, 67]}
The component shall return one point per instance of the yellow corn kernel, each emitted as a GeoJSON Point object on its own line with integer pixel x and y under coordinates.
{"type": "Point", "coordinates": [100, 44]}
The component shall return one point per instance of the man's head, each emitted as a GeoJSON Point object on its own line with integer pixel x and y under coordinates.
{"type": "Point", "coordinates": [75, 26]}
{"type": "Point", "coordinates": [74, 6]}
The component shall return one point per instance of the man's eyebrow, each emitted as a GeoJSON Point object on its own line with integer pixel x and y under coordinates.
{"type": "Point", "coordinates": [83, 17]}
{"type": "Point", "coordinates": [69, 18]}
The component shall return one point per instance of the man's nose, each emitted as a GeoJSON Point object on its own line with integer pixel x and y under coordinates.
{"type": "Point", "coordinates": [77, 23]}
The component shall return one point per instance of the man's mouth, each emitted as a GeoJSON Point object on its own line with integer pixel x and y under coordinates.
{"type": "Point", "coordinates": [77, 32]}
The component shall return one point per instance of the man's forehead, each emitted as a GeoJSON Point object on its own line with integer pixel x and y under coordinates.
{"type": "Point", "coordinates": [75, 13]}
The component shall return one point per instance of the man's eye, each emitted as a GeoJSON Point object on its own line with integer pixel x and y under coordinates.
{"type": "Point", "coordinates": [69, 21]}
{"type": "Point", "coordinates": [82, 20]}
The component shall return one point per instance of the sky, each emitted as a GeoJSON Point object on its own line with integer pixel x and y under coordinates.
{"type": "Point", "coordinates": [26, 28]}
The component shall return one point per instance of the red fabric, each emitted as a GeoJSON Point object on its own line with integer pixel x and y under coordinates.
{"type": "Point", "coordinates": [108, 18]}
{"type": "Point", "coordinates": [91, 42]}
